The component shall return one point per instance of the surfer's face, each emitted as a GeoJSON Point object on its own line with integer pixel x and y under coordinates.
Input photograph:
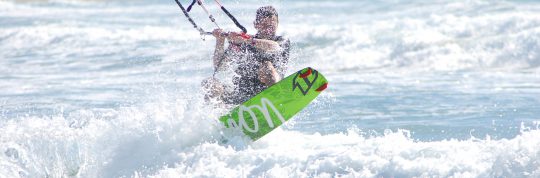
{"type": "Point", "coordinates": [267, 25]}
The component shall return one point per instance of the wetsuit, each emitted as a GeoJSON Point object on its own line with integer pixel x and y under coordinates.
{"type": "Point", "coordinates": [248, 60]}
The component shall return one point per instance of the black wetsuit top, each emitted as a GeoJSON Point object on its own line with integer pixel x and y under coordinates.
{"type": "Point", "coordinates": [248, 60]}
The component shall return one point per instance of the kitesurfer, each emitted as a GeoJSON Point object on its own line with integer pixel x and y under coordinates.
{"type": "Point", "coordinates": [258, 61]}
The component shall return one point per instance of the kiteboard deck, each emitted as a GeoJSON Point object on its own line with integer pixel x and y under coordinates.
{"type": "Point", "coordinates": [277, 104]}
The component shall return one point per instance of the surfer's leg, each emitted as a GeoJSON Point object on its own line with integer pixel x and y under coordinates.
{"type": "Point", "coordinates": [232, 97]}
{"type": "Point", "coordinates": [213, 89]}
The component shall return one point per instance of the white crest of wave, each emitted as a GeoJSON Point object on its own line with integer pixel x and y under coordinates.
{"type": "Point", "coordinates": [103, 142]}
{"type": "Point", "coordinates": [293, 154]}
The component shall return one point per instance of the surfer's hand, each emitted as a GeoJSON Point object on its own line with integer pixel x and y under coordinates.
{"type": "Point", "coordinates": [236, 38]}
{"type": "Point", "coordinates": [218, 33]}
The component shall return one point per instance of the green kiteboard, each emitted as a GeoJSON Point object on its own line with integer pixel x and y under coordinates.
{"type": "Point", "coordinates": [275, 105]}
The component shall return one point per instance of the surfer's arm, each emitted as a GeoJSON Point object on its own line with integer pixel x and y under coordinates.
{"type": "Point", "coordinates": [261, 44]}
{"type": "Point", "coordinates": [219, 52]}
{"type": "Point", "coordinates": [265, 45]}
{"type": "Point", "coordinates": [268, 73]}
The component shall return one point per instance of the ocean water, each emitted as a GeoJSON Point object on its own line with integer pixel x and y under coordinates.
{"type": "Point", "coordinates": [445, 88]}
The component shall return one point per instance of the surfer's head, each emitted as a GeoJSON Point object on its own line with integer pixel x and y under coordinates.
{"type": "Point", "coordinates": [266, 21]}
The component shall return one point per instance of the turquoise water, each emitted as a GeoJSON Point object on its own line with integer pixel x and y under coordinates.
{"type": "Point", "coordinates": [417, 89]}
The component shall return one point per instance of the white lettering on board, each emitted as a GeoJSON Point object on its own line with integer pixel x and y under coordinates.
{"type": "Point", "coordinates": [265, 103]}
